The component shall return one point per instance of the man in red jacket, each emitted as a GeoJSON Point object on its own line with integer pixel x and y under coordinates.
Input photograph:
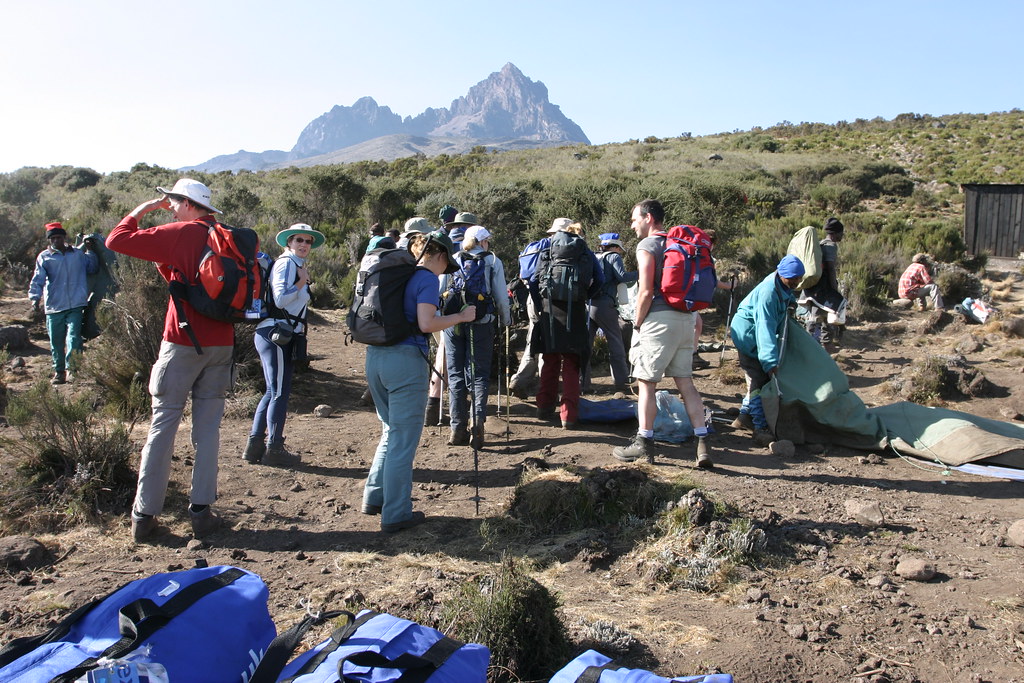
{"type": "Point", "coordinates": [179, 370]}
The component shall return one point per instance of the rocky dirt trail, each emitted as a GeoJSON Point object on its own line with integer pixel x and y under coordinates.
{"type": "Point", "coordinates": [847, 605]}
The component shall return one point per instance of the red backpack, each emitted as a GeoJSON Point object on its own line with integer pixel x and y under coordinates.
{"type": "Point", "coordinates": [228, 282]}
{"type": "Point", "coordinates": [688, 278]}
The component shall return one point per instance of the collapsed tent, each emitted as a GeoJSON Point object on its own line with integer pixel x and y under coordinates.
{"type": "Point", "coordinates": [810, 401]}
{"type": "Point", "coordinates": [810, 398]}
{"type": "Point", "coordinates": [950, 436]}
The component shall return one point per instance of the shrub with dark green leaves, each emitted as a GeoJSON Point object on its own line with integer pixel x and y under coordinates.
{"type": "Point", "coordinates": [71, 467]}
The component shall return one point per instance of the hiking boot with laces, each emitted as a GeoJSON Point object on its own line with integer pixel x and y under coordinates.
{"type": "Point", "coordinates": [278, 456]}
{"type": "Point", "coordinates": [763, 437]}
{"type": "Point", "coordinates": [205, 522]}
{"type": "Point", "coordinates": [59, 378]}
{"type": "Point", "coordinates": [459, 437]}
{"type": "Point", "coordinates": [639, 448]}
{"type": "Point", "coordinates": [255, 449]}
{"type": "Point", "coordinates": [704, 454]}
{"type": "Point", "coordinates": [545, 413]}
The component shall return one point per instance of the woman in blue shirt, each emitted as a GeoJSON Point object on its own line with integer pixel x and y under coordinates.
{"type": "Point", "coordinates": [398, 376]}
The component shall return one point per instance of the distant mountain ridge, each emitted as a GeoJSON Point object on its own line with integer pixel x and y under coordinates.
{"type": "Point", "coordinates": [506, 110]}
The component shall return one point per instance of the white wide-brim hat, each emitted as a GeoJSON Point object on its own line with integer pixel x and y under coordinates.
{"type": "Point", "coordinates": [300, 229]}
{"type": "Point", "coordinates": [193, 190]}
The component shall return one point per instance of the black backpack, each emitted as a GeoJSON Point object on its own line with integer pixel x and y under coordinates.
{"type": "Point", "coordinates": [566, 268]}
{"type": "Point", "coordinates": [377, 316]}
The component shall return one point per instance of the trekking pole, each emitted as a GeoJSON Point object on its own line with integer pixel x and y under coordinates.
{"type": "Point", "coordinates": [472, 419]}
{"type": "Point", "coordinates": [728, 319]}
{"type": "Point", "coordinates": [508, 389]}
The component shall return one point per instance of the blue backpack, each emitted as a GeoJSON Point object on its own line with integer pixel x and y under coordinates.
{"type": "Point", "coordinates": [470, 285]}
{"type": "Point", "coordinates": [373, 648]}
{"type": "Point", "coordinates": [207, 624]}
{"type": "Point", "coordinates": [594, 667]}
{"type": "Point", "coordinates": [529, 258]}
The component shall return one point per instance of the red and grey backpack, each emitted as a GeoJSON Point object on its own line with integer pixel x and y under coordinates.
{"type": "Point", "coordinates": [688, 278]}
{"type": "Point", "coordinates": [227, 284]}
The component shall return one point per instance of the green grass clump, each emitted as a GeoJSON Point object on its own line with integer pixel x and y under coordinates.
{"type": "Point", "coordinates": [515, 617]}
{"type": "Point", "coordinates": [70, 469]}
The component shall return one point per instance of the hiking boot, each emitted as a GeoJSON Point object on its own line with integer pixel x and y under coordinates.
{"type": "Point", "coordinates": [763, 437]}
{"type": "Point", "coordinates": [369, 509]}
{"type": "Point", "coordinates": [639, 448]}
{"type": "Point", "coordinates": [59, 378]}
{"type": "Point", "coordinates": [432, 415]}
{"type": "Point", "coordinates": [545, 413]}
{"type": "Point", "coordinates": [205, 522]}
{"type": "Point", "coordinates": [416, 519]}
{"type": "Point", "coordinates": [367, 398]}
{"type": "Point", "coordinates": [459, 437]}
{"type": "Point", "coordinates": [277, 456]}
{"type": "Point", "coordinates": [143, 526]}
{"type": "Point", "coordinates": [743, 421]}
{"type": "Point", "coordinates": [704, 454]}
{"type": "Point", "coordinates": [255, 449]}
{"type": "Point", "coordinates": [477, 440]}
{"type": "Point", "coordinates": [520, 392]}
{"type": "Point", "coordinates": [699, 363]}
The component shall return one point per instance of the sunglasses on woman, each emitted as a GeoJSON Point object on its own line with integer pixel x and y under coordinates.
{"type": "Point", "coordinates": [303, 240]}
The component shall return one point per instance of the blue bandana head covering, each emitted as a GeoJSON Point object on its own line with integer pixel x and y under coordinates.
{"type": "Point", "coordinates": [790, 266]}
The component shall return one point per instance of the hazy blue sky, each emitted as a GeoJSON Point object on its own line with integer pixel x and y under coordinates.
{"type": "Point", "coordinates": [110, 83]}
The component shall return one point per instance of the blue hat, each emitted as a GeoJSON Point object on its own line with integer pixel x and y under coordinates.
{"type": "Point", "coordinates": [457, 233]}
{"type": "Point", "coordinates": [791, 266]}
{"type": "Point", "coordinates": [610, 239]}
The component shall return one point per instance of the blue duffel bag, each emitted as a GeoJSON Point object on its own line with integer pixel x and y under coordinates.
{"type": "Point", "coordinates": [208, 624]}
{"type": "Point", "coordinates": [594, 667]}
{"type": "Point", "coordinates": [373, 648]}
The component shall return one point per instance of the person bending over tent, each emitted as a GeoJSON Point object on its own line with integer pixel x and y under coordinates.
{"type": "Point", "coordinates": [757, 331]}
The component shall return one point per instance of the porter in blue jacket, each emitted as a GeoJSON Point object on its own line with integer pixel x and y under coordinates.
{"type": "Point", "coordinates": [757, 329]}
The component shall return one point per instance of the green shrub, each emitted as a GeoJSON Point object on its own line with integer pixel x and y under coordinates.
{"type": "Point", "coordinates": [834, 198]}
{"type": "Point", "coordinates": [71, 468]}
{"type": "Point", "coordinates": [896, 185]}
{"type": "Point", "coordinates": [515, 617]}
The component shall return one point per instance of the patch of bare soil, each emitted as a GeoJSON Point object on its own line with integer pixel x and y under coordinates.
{"type": "Point", "coordinates": [834, 609]}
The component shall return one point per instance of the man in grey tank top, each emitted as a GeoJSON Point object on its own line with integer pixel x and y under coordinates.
{"type": "Point", "coordinates": [662, 343]}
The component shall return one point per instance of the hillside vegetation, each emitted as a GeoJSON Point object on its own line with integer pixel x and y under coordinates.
{"type": "Point", "coordinates": [893, 183]}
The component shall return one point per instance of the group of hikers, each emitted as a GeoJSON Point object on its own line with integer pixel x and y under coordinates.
{"type": "Point", "coordinates": [458, 292]}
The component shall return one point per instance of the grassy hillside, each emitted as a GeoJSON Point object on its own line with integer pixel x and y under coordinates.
{"type": "Point", "coordinates": [894, 183]}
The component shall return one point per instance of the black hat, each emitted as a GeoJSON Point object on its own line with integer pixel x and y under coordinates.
{"type": "Point", "coordinates": [833, 225]}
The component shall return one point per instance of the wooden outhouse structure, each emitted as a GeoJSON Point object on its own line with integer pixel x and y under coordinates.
{"type": "Point", "coordinates": [994, 219]}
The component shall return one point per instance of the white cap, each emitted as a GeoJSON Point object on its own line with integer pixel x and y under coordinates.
{"type": "Point", "coordinates": [193, 190]}
{"type": "Point", "coordinates": [478, 233]}
{"type": "Point", "coordinates": [559, 224]}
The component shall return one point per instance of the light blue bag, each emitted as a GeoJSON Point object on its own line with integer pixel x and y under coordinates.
{"type": "Point", "coordinates": [594, 667]}
{"type": "Point", "coordinates": [374, 648]}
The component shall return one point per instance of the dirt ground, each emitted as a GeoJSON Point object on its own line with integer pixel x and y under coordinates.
{"type": "Point", "coordinates": [838, 612]}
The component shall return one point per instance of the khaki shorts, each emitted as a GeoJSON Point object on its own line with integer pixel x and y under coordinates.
{"type": "Point", "coordinates": [663, 347]}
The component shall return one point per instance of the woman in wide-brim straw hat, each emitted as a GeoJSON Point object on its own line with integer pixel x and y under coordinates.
{"type": "Point", "coordinates": [289, 290]}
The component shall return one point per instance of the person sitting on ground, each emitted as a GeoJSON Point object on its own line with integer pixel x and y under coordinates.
{"type": "Point", "coordinates": [397, 376]}
{"type": "Point", "coordinates": [756, 331]}
{"type": "Point", "coordinates": [59, 284]}
{"type": "Point", "coordinates": [916, 283]}
{"type": "Point", "coordinates": [289, 287]}
{"type": "Point", "coordinates": [604, 310]}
